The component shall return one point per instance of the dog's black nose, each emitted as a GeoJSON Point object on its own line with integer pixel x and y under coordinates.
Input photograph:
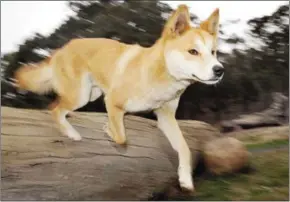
{"type": "Point", "coordinates": [218, 70]}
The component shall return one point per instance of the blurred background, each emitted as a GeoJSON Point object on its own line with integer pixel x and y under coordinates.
{"type": "Point", "coordinates": [254, 47]}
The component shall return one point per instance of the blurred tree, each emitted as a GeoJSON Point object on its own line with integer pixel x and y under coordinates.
{"type": "Point", "coordinates": [250, 73]}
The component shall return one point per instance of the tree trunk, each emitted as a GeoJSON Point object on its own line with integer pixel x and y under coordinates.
{"type": "Point", "coordinates": [38, 163]}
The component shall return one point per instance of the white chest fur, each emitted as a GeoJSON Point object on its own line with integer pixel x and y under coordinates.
{"type": "Point", "coordinates": [155, 97]}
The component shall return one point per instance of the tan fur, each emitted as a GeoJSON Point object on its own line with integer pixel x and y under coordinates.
{"type": "Point", "coordinates": [36, 78]}
{"type": "Point", "coordinates": [133, 78]}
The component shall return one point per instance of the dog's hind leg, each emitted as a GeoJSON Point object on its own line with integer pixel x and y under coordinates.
{"type": "Point", "coordinates": [80, 93]}
{"type": "Point", "coordinates": [59, 113]}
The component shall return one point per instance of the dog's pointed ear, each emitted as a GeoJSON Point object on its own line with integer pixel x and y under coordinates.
{"type": "Point", "coordinates": [178, 22]}
{"type": "Point", "coordinates": [211, 24]}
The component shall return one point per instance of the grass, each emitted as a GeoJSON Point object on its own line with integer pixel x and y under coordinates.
{"type": "Point", "coordinates": [269, 180]}
{"type": "Point", "coordinates": [268, 145]}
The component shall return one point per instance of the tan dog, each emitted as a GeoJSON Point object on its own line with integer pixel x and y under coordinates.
{"type": "Point", "coordinates": [132, 78]}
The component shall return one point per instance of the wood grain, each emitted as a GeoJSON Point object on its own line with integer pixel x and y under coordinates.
{"type": "Point", "coordinates": [39, 163]}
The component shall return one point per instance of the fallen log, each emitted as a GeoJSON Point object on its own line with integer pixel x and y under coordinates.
{"type": "Point", "coordinates": [38, 163]}
{"type": "Point", "coordinates": [275, 115]}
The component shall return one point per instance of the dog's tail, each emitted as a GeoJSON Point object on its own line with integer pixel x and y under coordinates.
{"type": "Point", "coordinates": [36, 78]}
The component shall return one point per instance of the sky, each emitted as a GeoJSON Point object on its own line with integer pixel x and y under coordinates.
{"type": "Point", "coordinates": [20, 19]}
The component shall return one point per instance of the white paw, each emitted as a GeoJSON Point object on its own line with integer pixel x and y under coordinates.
{"type": "Point", "coordinates": [74, 135]}
{"type": "Point", "coordinates": [187, 186]}
{"type": "Point", "coordinates": [185, 179]}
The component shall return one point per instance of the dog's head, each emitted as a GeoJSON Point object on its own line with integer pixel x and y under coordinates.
{"type": "Point", "coordinates": [190, 52]}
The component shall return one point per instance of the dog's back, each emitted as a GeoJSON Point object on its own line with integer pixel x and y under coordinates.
{"type": "Point", "coordinates": [68, 64]}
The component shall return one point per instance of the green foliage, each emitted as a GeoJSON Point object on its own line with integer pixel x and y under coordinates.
{"type": "Point", "coordinates": [269, 144]}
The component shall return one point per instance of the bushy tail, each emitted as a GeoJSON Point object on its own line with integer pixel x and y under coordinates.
{"type": "Point", "coordinates": [35, 78]}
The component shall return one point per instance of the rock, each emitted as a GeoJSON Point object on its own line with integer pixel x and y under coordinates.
{"type": "Point", "coordinates": [225, 155]}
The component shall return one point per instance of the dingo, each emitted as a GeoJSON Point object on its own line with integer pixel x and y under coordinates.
{"type": "Point", "coordinates": [132, 78]}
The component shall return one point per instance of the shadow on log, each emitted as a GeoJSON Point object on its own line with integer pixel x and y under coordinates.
{"type": "Point", "coordinates": [38, 163]}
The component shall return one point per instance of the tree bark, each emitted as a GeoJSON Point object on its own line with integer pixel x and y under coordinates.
{"type": "Point", "coordinates": [39, 163]}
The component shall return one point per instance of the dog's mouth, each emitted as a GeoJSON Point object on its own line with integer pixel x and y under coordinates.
{"type": "Point", "coordinates": [210, 81]}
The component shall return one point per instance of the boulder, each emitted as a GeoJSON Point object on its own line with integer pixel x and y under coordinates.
{"type": "Point", "coordinates": [225, 155]}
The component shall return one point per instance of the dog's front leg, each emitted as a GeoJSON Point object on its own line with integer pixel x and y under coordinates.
{"type": "Point", "coordinates": [169, 125]}
{"type": "Point", "coordinates": [115, 127]}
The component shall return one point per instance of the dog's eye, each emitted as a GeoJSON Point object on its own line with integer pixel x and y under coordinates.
{"type": "Point", "coordinates": [212, 52]}
{"type": "Point", "coordinates": [193, 52]}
